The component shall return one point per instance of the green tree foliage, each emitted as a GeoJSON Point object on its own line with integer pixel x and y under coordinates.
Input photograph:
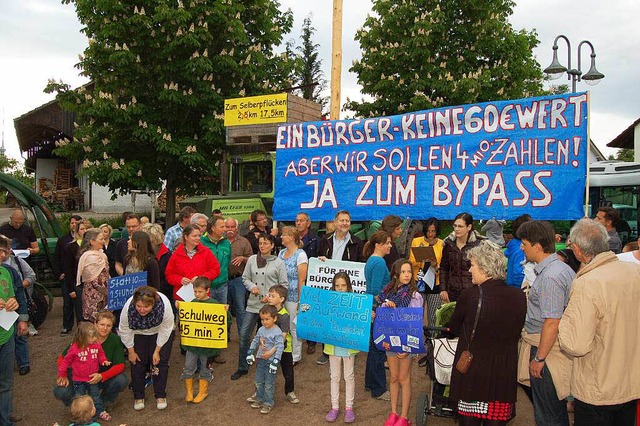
{"type": "Point", "coordinates": [623, 154]}
{"type": "Point", "coordinates": [422, 54]}
{"type": "Point", "coordinates": [160, 71]}
{"type": "Point", "coordinates": [309, 67]}
{"type": "Point", "coordinates": [16, 170]}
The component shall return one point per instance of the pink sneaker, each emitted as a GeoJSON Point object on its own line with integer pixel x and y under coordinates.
{"type": "Point", "coordinates": [402, 422]}
{"type": "Point", "coordinates": [349, 416]}
{"type": "Point", "coordinates": [332, 415]}
{"type": "Point", "coordinates": [391, 420]}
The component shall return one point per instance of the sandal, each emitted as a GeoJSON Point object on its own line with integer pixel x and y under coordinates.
{"type": "Point", "coordinates": [105, 416]}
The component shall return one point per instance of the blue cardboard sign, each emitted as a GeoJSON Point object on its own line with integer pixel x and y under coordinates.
{"type": "Point", "coordinates": [337, 318]}
{"type": "Point", "coordinates": [399, 330]}
{"type": "Point", "coordinates": [121, 288]}
{"type": "Point", "coordinates": [494, 159]}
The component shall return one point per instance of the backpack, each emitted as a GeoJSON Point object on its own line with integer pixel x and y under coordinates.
{"type": "Point", "coordinates": [37, 304]}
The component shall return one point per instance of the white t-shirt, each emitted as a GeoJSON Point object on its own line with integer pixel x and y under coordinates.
{"type": "Point", "coordinates": [628, 257]}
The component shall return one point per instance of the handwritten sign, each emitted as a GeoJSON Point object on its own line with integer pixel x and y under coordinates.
{"type": "Point", "coordinates": [320, 274]}
{"type": "Point", "coordinates": [121, 288]}
{"type": "Point", "coordinates": [498, 159]}
{"type": "Point", "coordinates": [203, 325]}
{"type": "Point", "coordinates": [399, 330]}
{"type": "Point", "coordinates": [256, 110]}
{"type": "Point", "coordinates": [338, 318]}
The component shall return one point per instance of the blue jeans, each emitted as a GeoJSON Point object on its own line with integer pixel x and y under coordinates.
{"type": "Point", "coordinates": [238, 298]}
{"type": "Point", "coordinates": [375, 378]}
{"type": "Point", "coordinates": [22, 350]}
{"type": "Point", "coordinates": [85, 388]}
{"type": "Point", "coordinates": [110, 390]}
{"type": "Point", "coordinates": [196, 363]}
{"type": "Point", "coordinates": [248, 325]}
{"type": "Point", "coordinates": [265, 383]}
{"type": "Point", "coordinates": [220, 294]}
{"type": "Point", "coordinates": [7, 351]}
{"type": "Point", "coordinates": [548, 410]}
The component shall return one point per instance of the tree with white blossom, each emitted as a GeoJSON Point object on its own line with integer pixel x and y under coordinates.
{"type": "Point", "coordinates": [160, 71]}
{"type": "Point", "coordinates": [423, 54]}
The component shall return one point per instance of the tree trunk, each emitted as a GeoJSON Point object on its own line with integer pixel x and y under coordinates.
{"type": "Point", "coordinates": [170, 219]}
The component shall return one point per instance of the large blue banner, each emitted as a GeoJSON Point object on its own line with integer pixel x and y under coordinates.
{"type": "Point", "coordinates": [399, 330]}
{"type": "Point", "coordinates": [495, 159]}
{"type": "Point", "coordinates": [338, 318]}
{"type": "Point", "coordinates": [121, 288]}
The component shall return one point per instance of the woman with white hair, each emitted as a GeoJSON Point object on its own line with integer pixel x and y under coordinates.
{"type": "Point", "coordinates": [488, 319]}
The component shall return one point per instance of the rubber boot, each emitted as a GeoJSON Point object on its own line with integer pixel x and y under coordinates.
{"type": "Point", "coordinates": [203, 389]}
{"type": "Point", "coordinates": [188, 383]}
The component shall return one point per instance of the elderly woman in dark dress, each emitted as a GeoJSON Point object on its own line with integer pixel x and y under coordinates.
{"type": "Point", "coordinates": [486, 393]}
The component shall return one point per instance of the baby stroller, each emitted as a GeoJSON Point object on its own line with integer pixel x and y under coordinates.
{"type": "Point", "coordinates": [441, 348]}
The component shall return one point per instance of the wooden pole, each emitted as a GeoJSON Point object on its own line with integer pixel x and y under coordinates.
{"type": "Point", "coordinates": [336, 60]}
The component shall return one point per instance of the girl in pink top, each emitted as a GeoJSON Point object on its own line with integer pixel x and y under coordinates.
{"type": "Point", "coordinates": [84, 358]}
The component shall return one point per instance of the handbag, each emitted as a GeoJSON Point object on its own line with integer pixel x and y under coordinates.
{"type": "Point", "coordinates": [466, 357]}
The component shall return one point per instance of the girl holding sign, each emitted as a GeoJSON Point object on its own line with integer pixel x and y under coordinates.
{"type": "Point", "coordinates": [341, 358]}
{"type": "Point", "coordinates": [401, 292]}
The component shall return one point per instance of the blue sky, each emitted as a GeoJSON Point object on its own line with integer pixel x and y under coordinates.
{"type": "Point", "coordinates": [41, 39]}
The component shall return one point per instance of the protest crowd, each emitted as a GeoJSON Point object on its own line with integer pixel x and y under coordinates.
{"type": "Point", "coordinates": [564, 325]}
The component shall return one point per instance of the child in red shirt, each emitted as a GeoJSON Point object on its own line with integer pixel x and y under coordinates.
{"type": "Point", "coordinates": [84, 358]}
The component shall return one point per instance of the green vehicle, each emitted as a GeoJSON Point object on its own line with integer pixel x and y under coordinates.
{"type": "Point", "coordinates": [46, 226]}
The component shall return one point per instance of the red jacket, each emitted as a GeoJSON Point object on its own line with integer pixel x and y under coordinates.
{"type": "Point", "coordinates": [203, 263]}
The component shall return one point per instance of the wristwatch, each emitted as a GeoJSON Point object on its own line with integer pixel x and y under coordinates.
{"type": "Point", "coordinates": [536, 359]}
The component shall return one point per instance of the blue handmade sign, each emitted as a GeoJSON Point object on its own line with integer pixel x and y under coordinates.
{"type": "Point", "coordinates": [338, 318]}
{"type": "Point", "coordinates": [121, 288]}
{"type": "Point", "coordinates": [399, 330]}
{"type": "Point", "coordinates": [494, 159]}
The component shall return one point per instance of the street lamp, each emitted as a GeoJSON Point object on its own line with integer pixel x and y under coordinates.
{"type": "Point", "coordinates": [556, 69]}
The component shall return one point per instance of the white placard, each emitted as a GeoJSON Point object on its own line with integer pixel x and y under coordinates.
{"type": "Point", "coordinates": [7, 319]}
{"type": "Point", "coordinates": [186, 293]}
{"type": "Point", "coordinates": [320, 274]}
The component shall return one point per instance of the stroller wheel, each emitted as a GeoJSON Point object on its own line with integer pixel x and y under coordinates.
{"type": "Point", "coordinates": [422, 407]}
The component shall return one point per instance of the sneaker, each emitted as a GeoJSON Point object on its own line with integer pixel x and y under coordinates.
{"type": "Point", "coordinates": [291, 396]}
{"type": "Point", "coordinates": [391, 420]}
{"type": "Point", "coordinates": [138, 404]}
{"type": "Point", "coordinates": [402, 422]}
{"type": "Point", "coordinates": [322, 359]}
{"type": "Point", "coordinates": [238, 374]}
{"type": "Point", "coordinates": [256, 404]}
{"type": "Point", "coordinates": [349, 416]}
{"type": "Point", "coordinates": [385, 397]}
{"type": "Point", "coordinates": [65, 332]}
{"type": "Point", "coordinates": [311, 349]}
{"type": "Point", "coordinates": [332, 415]}
{"type": "Point", "coordinates": [161, 403]}
{"type": "Point", "coordinates": [32, 330]}
{"type": "Point", "coordinates": [252, 398]}
{"type": "Point", "coordinates": [266, 409]}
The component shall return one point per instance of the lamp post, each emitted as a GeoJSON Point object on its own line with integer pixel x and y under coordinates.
{"type": "Point", "coordinates": [556, 69]}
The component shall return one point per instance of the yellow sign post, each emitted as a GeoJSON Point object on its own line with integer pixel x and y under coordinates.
{"type": "Point", "coordinates": [203, 325]}
{"type": "Point", "coordinates": [264, 109]}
